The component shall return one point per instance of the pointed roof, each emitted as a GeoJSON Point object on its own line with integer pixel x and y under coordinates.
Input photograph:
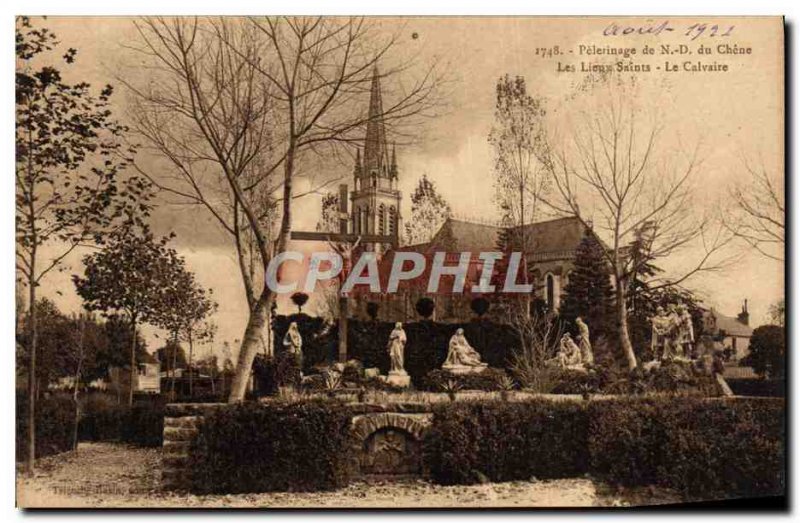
{"type": "Point", "coordinates": [375, 149]}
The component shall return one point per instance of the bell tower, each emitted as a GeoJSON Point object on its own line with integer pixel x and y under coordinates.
{"type": "Point", "coordinates": [375, 198]}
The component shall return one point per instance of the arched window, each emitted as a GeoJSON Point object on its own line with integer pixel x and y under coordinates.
{"type": "Point", "coordinates": [392, 221]}
{"type": "Point", "coordinates": [551, 291]}
{"type": "Point", "coordinates": [356, 220]}
{"type": "Point", "coordinates": [381, 219]}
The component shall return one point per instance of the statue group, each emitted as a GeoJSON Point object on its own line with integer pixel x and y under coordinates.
{"type": "Point", "coordinates": [673, 333]}
{"type": "Point", "coordinates": [574, 355]}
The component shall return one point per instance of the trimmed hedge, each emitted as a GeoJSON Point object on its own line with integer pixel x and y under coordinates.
{"type": "Point", "coordinates": [488, 380]}
{"type": "Point", "coordinates": [142, 424]}
{"type": "Point", "coordinates": [472, 441]}
{"type": "Point", "coordinates": [55, 424]}
{"type": "Point", "coordinates": [699, 447]}
{"type": "Point", "coordinates": [773, 388]}
{"type": "Point", "coordinates": [273, 447]}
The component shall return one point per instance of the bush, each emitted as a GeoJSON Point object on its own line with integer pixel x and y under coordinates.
{"type": "Point", "coordinates": [142, 424]}
{"type": "Point", "coordinates": [488, 380]}
{"type": "Point", "coordinates": [757, 387]}
{"type": "Point", "coordinates": [471, 441]}
{"type": "Point", "coordinates": [273, 447]}
{"type": "Point", "coordinates": [699, 447]}
{"type": "Point", "coordinates": [55, 423]}
{"type": "Point", "coordinates": [767, 351]}
{"type": "Point", "coordinates": [282, 370]}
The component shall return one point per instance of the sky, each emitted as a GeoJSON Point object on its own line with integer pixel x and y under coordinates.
{"type": "Point", "coordinates": [731, 115]}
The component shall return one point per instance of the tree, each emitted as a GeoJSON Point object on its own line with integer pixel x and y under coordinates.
{"type": "Point", "coordinates": [768, 351]}
{"type": "Point", "coordinates": [329, 213]}
{"type": "Point", "coordinates": [429, 210]}
{"type": "Point", "coordinates": [372, 310]}
{"type": "Point", "coordinates": [777, 313]}
{"type": "Point", "coordinates": [759, 212]}
{"type": "Point", "coordinates": [299, 299]}
{"type": "Point", "coordinates": [172, 357]}
{"type": "Point", "coordinates": [273, 92]}
{"type": "Point", "coordinates": [516, 137]}
{"type": "Point", "coordinates": [588, 293]}
{"type": "Point", "coordinates": [134, 274]}
{"type": "Point", "coordinates": [69, 192]}
{"type": "Point", "coordinates": [613, 166]}
{"type": "Point", "coordinates": [479, 306]}
{"type": "Point", "coordinates": [425, 307]}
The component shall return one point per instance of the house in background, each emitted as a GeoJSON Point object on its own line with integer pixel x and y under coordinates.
{"type": "Point", "coordinates": [146, 378]}
{"type": "Point", "coordinates": [730, 333]}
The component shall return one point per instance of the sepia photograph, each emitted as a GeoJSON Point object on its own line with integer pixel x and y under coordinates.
{"type": "Point", "coordinates": [400, 262]}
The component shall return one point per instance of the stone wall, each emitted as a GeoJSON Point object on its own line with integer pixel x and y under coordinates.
{"type": "Point", "coordinates": [181, 425]}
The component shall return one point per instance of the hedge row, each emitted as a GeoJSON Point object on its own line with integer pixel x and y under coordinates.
{"type": "Point", "coordinates": [698, 447]}
{"type": "Point", "coordinates": [774, 388]}
{"type": "Point", "coordinates": [277, 447]}
{"type": "Point", "coordinates": [55, 425]}
{"type": "Point", "coordinates": [142, 424]}
{"type": "Point", "coordinates": [425, 350]}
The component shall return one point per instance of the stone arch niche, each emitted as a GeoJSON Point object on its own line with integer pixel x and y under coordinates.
{"type": "Point", "coordinates": [389, 444]}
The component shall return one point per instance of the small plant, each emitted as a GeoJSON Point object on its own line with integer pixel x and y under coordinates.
{"type": "Point", "coordinates": [333, 381]}
{"type": "Point", "coordinates": [451, 387]}
{"type": "Point", "coordinates": [506, 385]}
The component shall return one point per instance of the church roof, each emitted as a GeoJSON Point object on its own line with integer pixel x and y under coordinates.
{"type": "Point", "coordinates": [560, 235]}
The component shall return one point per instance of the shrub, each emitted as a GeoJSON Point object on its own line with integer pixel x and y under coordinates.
{"type": "Point", "coordinates": [488, 380]}
{"type": "Point", "coordinates": [506, 441]}
{"type": "Point", "coordinates": [142, 424]}
{"type": "Point", "coordinates": [55, 423]}
{"type": "Point", "coordinates": [767, 351]}
{"type": "Point", "coordinates": [757, 387]}
{"type": "Point", "coordinates": [273, 447]}
{"type": "Point", "coordinates": [699, 447]}
{"type": "Point", "coordinates": [270, 373]}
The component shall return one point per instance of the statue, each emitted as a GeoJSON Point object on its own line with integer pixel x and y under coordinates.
{"type": "Point", "coordinates": [292, 341]}
{"type": "Point", "coordinates": [396, 346]}
{"type": "Point", "coordinates": [585, 343]}
{"type": "Point", "coordinates": [461, 357]}
{"type": "Point", "coordinates": [569, 355]}
{"type": "Point", "coordinates": [686, 337]}
{"type": "Point", "coordinates": [660, 331]}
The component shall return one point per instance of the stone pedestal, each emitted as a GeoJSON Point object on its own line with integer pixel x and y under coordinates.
{"type": "Point", "coordinates": [465, 369]}
{"type": "Point", "coordinates": [398, 379]}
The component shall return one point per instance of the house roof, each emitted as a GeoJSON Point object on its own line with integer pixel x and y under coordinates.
{"type": "Point", "coordinates": [732, 326]}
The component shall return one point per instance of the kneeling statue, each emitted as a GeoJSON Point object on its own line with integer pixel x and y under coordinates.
{"type": "Point", "coordinates": [461, 357]}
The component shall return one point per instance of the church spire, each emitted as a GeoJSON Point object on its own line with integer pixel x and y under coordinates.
{"type": "Point", "coordinates": [357, 168]}
{"type": "Point", "coordinates": [375, 150]}
{"type": "Point", "coordinates": [393, 167]}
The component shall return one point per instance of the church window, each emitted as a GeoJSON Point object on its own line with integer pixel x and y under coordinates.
{"type": "Point", "coordinates": [550, 288]}
{"type": "Point", "coordinates": [382, 219]}
{"type": "Point", "coordinates": [392, 221]}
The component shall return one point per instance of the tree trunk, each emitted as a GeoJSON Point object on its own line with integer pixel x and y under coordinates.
{"type": "Point", "coordinates": [31, 454]}
{"type": "Point", "coordinates": [133, 360]}
{"type": "Point", "coordinates": [190, 363]}
{"type": "Point", "coordinates": [250, 344]}
{"type": "Point", "coordinates": [76, 386]}
{"type": "Point", "coordinates": [622, 324]}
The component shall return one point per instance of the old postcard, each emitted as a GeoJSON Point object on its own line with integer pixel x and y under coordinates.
{"type": "Point", "coordinates": [400, 262]}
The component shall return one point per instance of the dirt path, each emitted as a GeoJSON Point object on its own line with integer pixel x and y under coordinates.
{"type": "Point", "coordinates": [112, 475]}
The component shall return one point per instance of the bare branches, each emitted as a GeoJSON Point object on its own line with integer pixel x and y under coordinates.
{"type": "Point", "coordinates": [758, 214]}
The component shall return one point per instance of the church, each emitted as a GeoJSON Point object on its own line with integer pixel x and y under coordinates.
{"type": "Point", "coordinates": [375, 204]}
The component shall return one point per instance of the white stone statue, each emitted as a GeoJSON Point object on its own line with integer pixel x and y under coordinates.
{"type": "Point", "coordinates": [686, 337]}
{"type": "Point", "coordinates": [585, 343]}
{"type": "Point", "coordinates": [396, 346]}
{"type": "Point", "coordinates": [569, 354]}
{"type": "Point", "coordinates": [461, 357]}
{"type": "Point", "coordinates": [660, 334]}
{"type": "Point", "coordinates": [292, 341]}
{"type": "Point", "coordinates": [674, 337]}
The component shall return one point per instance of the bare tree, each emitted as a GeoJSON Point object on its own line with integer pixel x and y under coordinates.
{"type": "Point", "coordinates": [759, 212]}
{"type": "Point", "coordinates": [271, 92]}
{"type": "Point", "coordinates": [613, 176]}
{"type": "Point", "coordinates": [539, 341]}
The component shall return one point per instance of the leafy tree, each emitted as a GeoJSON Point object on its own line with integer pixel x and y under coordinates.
{"type": "Point", "coordinates": [69, 155]}
{"type": "Point", "coordinates": [172, 357]}
{"type": "Point", "coordinates": [588, 293]}
{"type": "Point", "coordinates": [299, 299]}
{"type": "Point", "coordinates": [777, 313]}
{"type": "Point", "coordinates": [372, 310]}
{"type": "Point", "coordinates": [425, 307]}
{"type": "Point", "coordinates": [768, 351]}
{"type": "Point", "coordinates": [134, 275]}
{"type": "Point", "coordinates": [329, 219]}
{"type": "Point", "coordinates": [429, 210]}
{"type": "Point", "coordinates": [480, 306]}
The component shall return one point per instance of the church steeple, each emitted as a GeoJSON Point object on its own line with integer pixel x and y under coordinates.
{"type": "Point", "coordinates": [393, 167]}
{"type": "Point", "coordinates": [357, 168]}
{"type": "Point", "coordinates": [375, 150]}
